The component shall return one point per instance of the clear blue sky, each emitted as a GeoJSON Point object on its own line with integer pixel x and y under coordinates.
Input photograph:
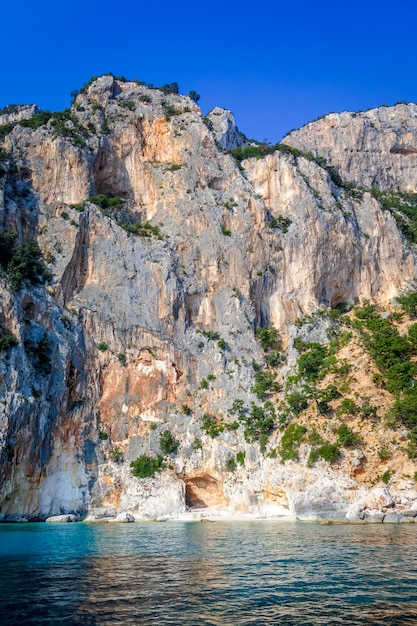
{"type": "Point", "coordinates": [276, 65]}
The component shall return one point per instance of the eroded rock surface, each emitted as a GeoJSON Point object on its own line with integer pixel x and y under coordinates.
{"type": "Point", "coordinates": [370, 148]}
{"type": "Point", "coordinates": [151, 314]}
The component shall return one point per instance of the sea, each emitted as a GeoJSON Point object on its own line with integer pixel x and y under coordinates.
{"type": "Point", "coordinates": [216, 573]}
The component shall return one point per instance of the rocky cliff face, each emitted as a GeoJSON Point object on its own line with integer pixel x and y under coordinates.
{"type": "Point", "coordinates": [369, 148]}
{"type": "Point", "coordinates": [168, 259]}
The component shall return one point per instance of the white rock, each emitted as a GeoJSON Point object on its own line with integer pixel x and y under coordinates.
{"type": "Point", "coordinates": [62, 518]}
{"type": "Point", "coordinates": [125, 517]}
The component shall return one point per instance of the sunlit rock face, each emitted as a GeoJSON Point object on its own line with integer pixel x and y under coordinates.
{"type": "Point", "coordinates": [151, 314]}
{"type": "Point", "coordinates": [370, 148]}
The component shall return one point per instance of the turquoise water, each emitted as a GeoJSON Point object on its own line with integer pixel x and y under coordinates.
{"type": "Point", "coordinates": [220, 573]}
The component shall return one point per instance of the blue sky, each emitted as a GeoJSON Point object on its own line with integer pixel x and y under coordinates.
{"type": "Point", "coordinates": [276, 65]}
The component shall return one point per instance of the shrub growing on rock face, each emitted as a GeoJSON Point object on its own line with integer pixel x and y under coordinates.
{"type": "Point", "coordinates": [265, 384]}
{"type": "Point", "coordinates": [211, 426]}
{"type": "Point", "coordinates": [297, 401]}
{"type": "Point", "coordinates": [168, 443]}
{"type": "Point", "coordinates": [329, 452]}
{"type": "Point", "coordinates": [6, 339]}
{"type": "Point", "coordinates": [146, 466]}
{"type": "Point", "coordinates": [40, 353]}
{"type": "Point", "coordinates": [346, 436]}
{"type": "Point", "coordinates": [22, 263]}
{"type": "Point", "coordinates": [269, 338]}
{"type": "Point", "coordinates": [116, 455]}
{"type": "Point", "coordinates": [311, 363]}
{"type": "Point", "coordinates": [231, 464]}
{"type": "Point", "coordinates": [290, 442]}
{"type": "Point", "coordinates": [240, 457]}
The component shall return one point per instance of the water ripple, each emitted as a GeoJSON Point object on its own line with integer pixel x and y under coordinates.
{"type": "Point", "coordinates": [219, 574]}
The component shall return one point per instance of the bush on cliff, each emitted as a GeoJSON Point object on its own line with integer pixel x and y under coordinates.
{"type": "Point", "coordinates": [146, 466]}
{"type": "Point", "coordinates": [168, 443]}
{"type": "Point", "coordinates": [22, 263]}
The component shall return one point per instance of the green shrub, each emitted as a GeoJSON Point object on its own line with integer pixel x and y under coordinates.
{"type": "Point", "coordinates": [227, 233]}
{"type": "Point", "coordinates": [147, 466]}
{"type": "Point", "coordinates": [263, 440]}
{"type": "Point", "coordinates": [386, 477]}
{"type": "Point", "coordinates": [103, 436]}
{"type": "Point", "coordinates": [211, 425]}
{"type": "Point", "coordinates": [169, 88]}
{"type": "Point", "coordinates": [330, 393]}
{"type": "Point", "coordinates": [312, 362]}
{"type": "Point", "coordinates": [195, 97]}
{"type": "Point", "coordinates": [240, 457]}
{"type": "Point", "coordinates": [122, 358]}
{"type": "Point", "coordinates": [412, 336]}
{"type": "Point", "coordinates": [171, 111]}
{"type": "Point", "coordinates": [77, 207]}
{"type": "Point", "coordinates": [211, 335]}
{"type": "Point", "coordinates": [314, 438]}
{"type": "Point", "coordinates": [5, 129]}
{"type": "Point", "coordinates": [107, 202]}
{"type": "Point", "coordinates": [297, 401]}
{"type": "Point", "coordinates": [222, 344]}
{"type": "Point", "coordinates": [168, 443]}
{"type": "Point", "coordinates": [37, 120]}
{"type": "Point", "coordinates": [137, 228]}
{"type": "Point", "coordinates": [231, 464]}
{"type": "Point", "coordinates": [22, 263]}
{"type": "Point", "coordinates": [259, 421]}
{"type": "Point", "coordinates": [185, 409]}
{"type": "Point", "coordinates": [384, 454]}
{"type": "Point", "coordinates": [7, 248]}
{"type": "Point", "coordinates": [273, 358]}
{"type": "Point", "coordinates": [348, 407]}
{"type": "Point", "coordinates": [329, 452]}
{"type": "Point", "coordinates": [258, 151]}
{"type": "Point", "coordinates": [346, 436]}
{"type": "Point", "coordinates": [197, 444]}
{"type": "Point", "coordinates": [127, 104]}
{"type": "Point", "coordinates": [265, 384]}
{"type": "Point", "coordinates": [237, 407]}
{"type": "Point", "coordinates": [322, 406]}
{"type": "Point", "coordinates": [173, 167]}
{"type": "Point", "coordinates": [7, 339]}
{"type": "Point", "coordinates": [408, 302]}
{"type": "Point", "coordinates": [102, 346]}
{"type": "Point", "coordinates": [269, 338]}
{"type": "Point", "coordinates": [10, 108]}
{"type": "Point", "coordinates": [281, 222]}
{"type": "Point", "coordinates": [313, 457]}
{"type": "Point", "coordinates": [326, 451]}
{"type": "Point", "coordinates": [403, 207]}
{"type": "Point", "coordinates": [400, 376]}
{"type": "Point", "coordinates": [290, 442]}
{"type": "Point", "coordinates": [40, 353]}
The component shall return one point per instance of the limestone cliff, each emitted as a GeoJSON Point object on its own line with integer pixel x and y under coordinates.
{"type": "Point", "coordinates": [168, 260]}
{"type": "Point", "coordinates": [370, 148]}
